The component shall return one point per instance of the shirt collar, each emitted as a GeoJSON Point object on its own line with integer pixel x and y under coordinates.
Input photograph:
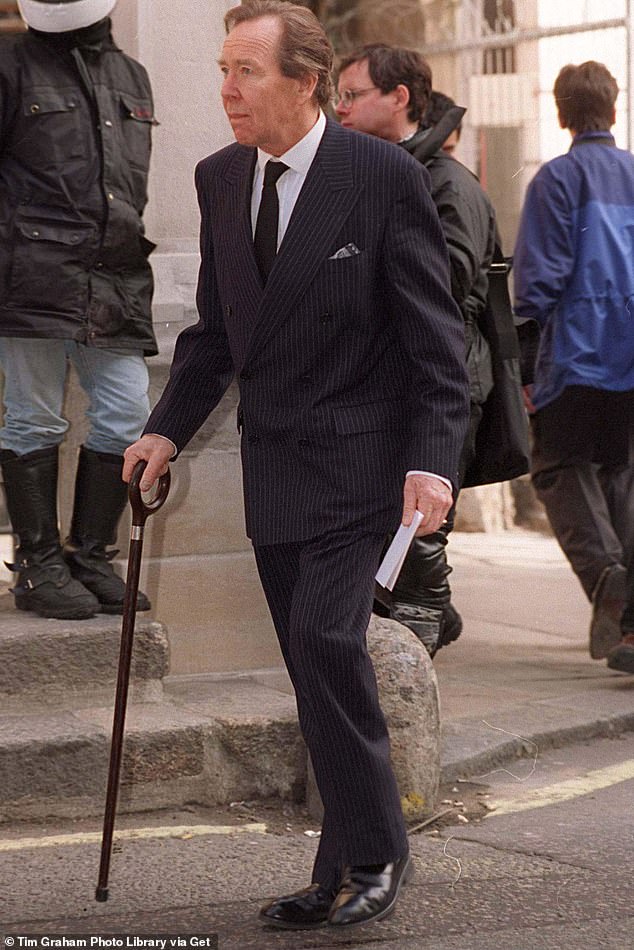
{"type": "Point", "coordinates": [300, 156]}
{"type": "Point", "coordinates": [603, 137]}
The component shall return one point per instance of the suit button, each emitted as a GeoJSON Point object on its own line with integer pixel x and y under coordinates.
{"type": "Point", "coordinates": [245, 376]}
{"type": "Point", "coordinates": [325, 318]}
{"type": "Point", "coordinates": [303, 443]}
{"type": "Point", "coordinates": [228, 311]}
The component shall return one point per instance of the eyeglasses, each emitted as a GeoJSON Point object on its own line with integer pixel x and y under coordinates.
{"type": "Point", "coordinates": [348, 96]}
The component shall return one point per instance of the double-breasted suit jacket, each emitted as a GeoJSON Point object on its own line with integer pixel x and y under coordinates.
{"type": "Point", "coordinates": [351, 371]}
{"type": "Point", "coordinates": [351, 365]}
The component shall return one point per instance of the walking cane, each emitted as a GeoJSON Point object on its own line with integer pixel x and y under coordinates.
{"type": "Point", "coordinates": [140, 511]}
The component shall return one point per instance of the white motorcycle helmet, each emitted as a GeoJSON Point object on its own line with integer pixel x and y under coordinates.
{"type": "Point", "coordinates": [60, 16]}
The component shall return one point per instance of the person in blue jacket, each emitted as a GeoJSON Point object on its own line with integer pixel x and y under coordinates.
{"type": "Point", "coordinates": [574, 275]}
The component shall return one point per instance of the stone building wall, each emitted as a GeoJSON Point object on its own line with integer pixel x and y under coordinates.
{"type": "Point", "coordinates": [198, 567]}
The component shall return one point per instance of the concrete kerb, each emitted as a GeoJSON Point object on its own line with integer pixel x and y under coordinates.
{"type": "Point", "coordinates": [468, 750]}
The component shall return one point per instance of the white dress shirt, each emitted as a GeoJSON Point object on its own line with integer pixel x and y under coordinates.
{"type": "Point", "coordinates": [299, 158]}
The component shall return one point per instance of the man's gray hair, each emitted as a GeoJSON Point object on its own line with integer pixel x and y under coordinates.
{"type": "Point", "coordinates": [304, 47]}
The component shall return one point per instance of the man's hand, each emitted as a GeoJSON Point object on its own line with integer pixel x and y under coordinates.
{"type": "Point", "coordinates": [431, 497]}
{"type": "Point", "coordinates": [156, 451]}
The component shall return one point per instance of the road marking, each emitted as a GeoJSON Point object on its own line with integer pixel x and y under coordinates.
{"type": "Point", "coordinates": [564, 791]}
{"type": "Point", "coordinates": [94, 837]}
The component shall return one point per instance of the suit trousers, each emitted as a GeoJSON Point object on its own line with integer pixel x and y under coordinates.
{"type": "Point", "coordinates": [320, 594]}
{"type": "Point", "coordinates": [583, 472]}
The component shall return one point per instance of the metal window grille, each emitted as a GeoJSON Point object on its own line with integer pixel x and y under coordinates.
{"type": "Point", "coordinates": [498, 18]}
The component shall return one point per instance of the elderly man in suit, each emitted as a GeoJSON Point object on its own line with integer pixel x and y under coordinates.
{"type": "Point", "coordinates": [324, 286]}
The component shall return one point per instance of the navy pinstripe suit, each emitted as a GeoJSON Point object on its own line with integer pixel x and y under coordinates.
{"type": "Point", "coordinates": [351, 372]}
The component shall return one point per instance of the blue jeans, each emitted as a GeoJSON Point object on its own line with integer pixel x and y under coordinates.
{"type": "Point", "coordinates": [35, 370]}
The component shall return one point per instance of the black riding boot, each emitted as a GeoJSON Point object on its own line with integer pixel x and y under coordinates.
{"type": "Point", "coordinates": [44, 584]}
{"type": "Point", "coordinates": [421, 599]}
{"type": "Point", "coordinates": [100, 498]}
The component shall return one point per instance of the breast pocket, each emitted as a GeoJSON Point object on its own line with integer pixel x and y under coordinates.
{"type": "Point", "coordinates": [137, 119]}
{"type": "Point", "coordinates": [347, 283]}
{"type": "Point", "coordinates": [52, 132]}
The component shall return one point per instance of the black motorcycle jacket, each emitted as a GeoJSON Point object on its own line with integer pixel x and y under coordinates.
{"type": "Point", "coordinates": [468, 223]}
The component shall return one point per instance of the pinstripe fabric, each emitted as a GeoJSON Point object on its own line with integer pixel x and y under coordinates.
{"type": "Point", "coordinates": [351, 371]}
{"type": "Point", "coordinates": [320, 596]}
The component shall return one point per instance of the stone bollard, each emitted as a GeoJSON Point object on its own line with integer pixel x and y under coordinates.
{"type": "Point", "coordinates": [408, 691]}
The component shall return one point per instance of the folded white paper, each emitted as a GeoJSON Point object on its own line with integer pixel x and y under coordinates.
{"type": "Point", "coordinates": [392, 563]}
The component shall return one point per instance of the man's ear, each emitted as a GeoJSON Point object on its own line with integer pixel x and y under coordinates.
{"type": "Point", "coordinates": [402, 96]}
{"type": "Point", "coordinates": [307, 85]}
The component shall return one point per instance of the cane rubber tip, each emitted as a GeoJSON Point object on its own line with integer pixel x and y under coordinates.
{"type": "Point", "coordinates": [101, 894]}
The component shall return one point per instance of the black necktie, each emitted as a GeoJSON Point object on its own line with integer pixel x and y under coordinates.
{"type": "Point", "coordinates": [265, 241]}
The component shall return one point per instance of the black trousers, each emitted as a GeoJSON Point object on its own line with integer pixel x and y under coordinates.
{"type": "Point", "coordinates": [583, 472]}
{"type": "Point", "coordinates": [320, 596]}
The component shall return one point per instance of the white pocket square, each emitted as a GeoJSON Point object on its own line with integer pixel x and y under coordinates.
{"type": "Point", "coordinates": [348, 250]}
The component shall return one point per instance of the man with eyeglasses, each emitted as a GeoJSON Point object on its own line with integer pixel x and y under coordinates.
{"type": "Point", "coordinates": [385, 91]}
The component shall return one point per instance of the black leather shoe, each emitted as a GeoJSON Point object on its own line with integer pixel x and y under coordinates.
{"type": "Point", "coordinates": [368, 894]}
{"type": "Point", "coordinates": [305, 910]}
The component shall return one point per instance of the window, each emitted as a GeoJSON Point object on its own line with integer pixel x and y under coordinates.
{"type": "Point", "coordinates": [498, 17]}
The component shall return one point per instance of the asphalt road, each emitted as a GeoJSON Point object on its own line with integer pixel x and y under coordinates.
{"type": "Point", "coordinates": [550, 866]}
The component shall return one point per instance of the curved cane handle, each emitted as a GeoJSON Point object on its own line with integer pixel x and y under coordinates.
{"type": "Point", "coordinates": [141, 509]}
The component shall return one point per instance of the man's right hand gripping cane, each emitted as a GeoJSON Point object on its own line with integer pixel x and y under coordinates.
{"type": "Point", "coordinates": [156, 450]}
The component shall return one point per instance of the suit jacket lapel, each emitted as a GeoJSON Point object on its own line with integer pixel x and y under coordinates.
{"type": "Point", "coordinates": [235, 233]}
{"type": "Point", "coordinates": [325, 201]}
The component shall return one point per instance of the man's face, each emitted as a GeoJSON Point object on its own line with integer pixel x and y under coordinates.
{"type": "Point", "coordinates": [372, 111]}
{"type": "Point", "coordinates": [265, 108]}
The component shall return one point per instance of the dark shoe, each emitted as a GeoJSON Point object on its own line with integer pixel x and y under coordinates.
{"type": "Point", "coordinates": [368, 894]}
{"type": "Point", "coordinates": [90, 565]}
{"type": "Point", "coordinates": [46, 588]}
{"type": "Point", "coordinates": [621, 657]}
{"type": "Point", "coordinates": [44, 585]}
{"type": "Point", "coordinates": [304, 910]}
{"type": "Point", "coordinates": [608, 600]}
